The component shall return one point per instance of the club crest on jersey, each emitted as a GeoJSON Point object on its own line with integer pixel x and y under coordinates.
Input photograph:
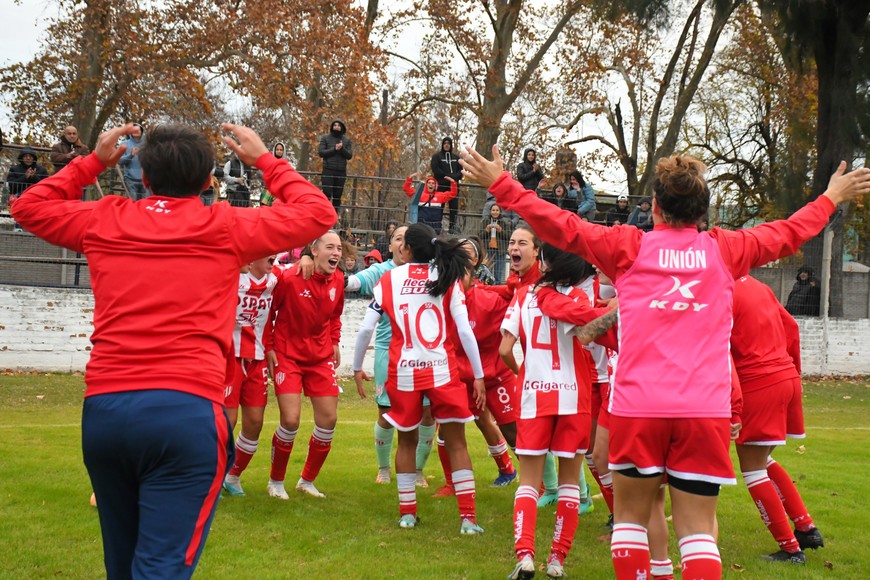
{"type": "Point", "coordinates": [332, 294]}
{"type": "Point", "coordinates": [685, 291]}
{"type": "Point", "coordinates": [414, 286]}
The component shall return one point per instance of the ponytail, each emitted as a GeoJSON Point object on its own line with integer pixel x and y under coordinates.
{"type": "Point", "coordinates": [446, 253]}
{"type": "Point", "coordinates": [563, 268]}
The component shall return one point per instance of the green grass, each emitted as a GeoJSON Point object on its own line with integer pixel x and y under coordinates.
{"type": "Point", "coordinates": [47, 528]}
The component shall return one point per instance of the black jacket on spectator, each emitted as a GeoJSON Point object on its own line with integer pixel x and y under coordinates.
{"type": "Point", "coordinates": [335, 160]}
{"type": "Point", "coordinates": [616, 214]}
{"type": "Point", "coordinates": [805, 295]}
{"type": "Point", "coordinates": [563, 202]}
{"type": "Point", "coordinates": [18, 179]}
{"type": "Point", "coordinates": [445, 164]}
{"type": "Point", "coordinates": [526, 173]}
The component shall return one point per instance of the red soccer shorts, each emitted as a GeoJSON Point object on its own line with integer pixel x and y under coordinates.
{"type": "Point", "coordinates": [448, 403]}
{"type": "Point", "coordinates": [562, 435]}
{"type": "Point", "coordinates": [501, 398]}
{"type": "Point", "coordinates": [314, 380]}
{"type": "Point", "coordinates": [771, 414]}
{"type": "Point", "coordinates": [692, 448]}
{"type": "Point", "coordinates": [247, 383]}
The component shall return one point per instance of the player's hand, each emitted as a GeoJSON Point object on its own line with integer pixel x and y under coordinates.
{"type": "Point", "coordinates": [336, 356]}
{"type": "Point", "coordinates": [359, 377]}
{"type": "Point", "coordinates": [479, 393]}
{"type": "Point", "coordinates": [272, 362]}
{"type": "Point", "coordinates": [848, 186]}
{"type": "Point", "coordinates": [305, 267]}
{"type": "Point", "coordinates": [735, 430]}
{"type": "Point", "coordinates": [247, 145]}
{"type": "Point", "coordinates": [478, 168]}
{"type": "Point", "coordinates": [107, 149]}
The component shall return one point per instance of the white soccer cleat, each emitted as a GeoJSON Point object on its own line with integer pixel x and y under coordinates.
{"type": "Point", "coordinates": [383, 476]}
{"type": "Point", "coordinates": [524, 570]}
{"type": "Point", "coordinates": [276, 489]}
{"type": "Point", "coordinates": [303, 486]}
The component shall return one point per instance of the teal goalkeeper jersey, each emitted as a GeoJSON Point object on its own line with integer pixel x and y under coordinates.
{"type": "Point", "coordinates": [368, 278]}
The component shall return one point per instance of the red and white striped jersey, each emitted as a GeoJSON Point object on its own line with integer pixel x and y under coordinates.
{"type": "Point", "coordinates": [422, 355]}
{"type": "Point", "coordinates": [252, 315]}
{"type": "Point", "coordinates": [598, 352]}
{"type": "Point", "coordinates": [555, 373]}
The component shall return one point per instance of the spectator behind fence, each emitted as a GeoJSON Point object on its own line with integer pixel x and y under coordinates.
{"type": "Point", "coordinates": [279, 151]}
{"type": "Point", "coordinates": [641, 217]}
{"type": "Point", "coordinates": [529, 172]}
{"type": "Point", "coordinates": [336, 149]}
{"type": "Point", "coordinates": [618, 215]}
{"type": "Point", "coordinates": [22, 175]}
{"type": "Point", "coordinates": [69, 148]}
{"type": "Point", "coordinates": [560, 198]}
{"type": "Point", "coordinates": [155, 437]}
{"type": "Point", "coordinates": [236, 177]}
{"type": "Point", "coordinates": [427, 203]}
{"type": "Point", "coordinates": [130, 163]}
{"type": "Point", "coordinates": [382, 245]}
{"type": "Point", "coordinates": [805, 296]}
{"type": "Point", "coordinates": [373, 257]}
{"type": "Point", "coordinates": [585, 195]}
{"type": "Point", "coordinates": [447, 172]}
{"type": "Point", "coordinates": [495, 233]}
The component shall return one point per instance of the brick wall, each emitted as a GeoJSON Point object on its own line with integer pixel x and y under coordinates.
{"type": "Point", "coordinates": [48, 329]}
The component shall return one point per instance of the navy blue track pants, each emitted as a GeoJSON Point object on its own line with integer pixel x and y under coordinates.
{"type": "Point", "coordinates": [157, 459]}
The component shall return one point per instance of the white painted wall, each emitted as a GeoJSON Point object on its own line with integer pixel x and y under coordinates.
{"type": "Point", "coordinates": [47, 329]}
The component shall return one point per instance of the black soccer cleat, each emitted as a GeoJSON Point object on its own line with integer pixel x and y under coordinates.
{"type": "Point", "coordinates": [810, 540]}
{"type": "Point", "coordinates": [790, 557]}
{"type": "Point", "coordinates": [608, 527]}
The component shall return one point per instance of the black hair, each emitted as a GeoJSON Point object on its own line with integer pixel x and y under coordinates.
{"type": "Point", "coordinates": [393, 223]}
{"type": "Point", "coordinates": [445, 252]}
{"type": "Point", "coordinates": [563, 268]}
{"type": "Point", "coordinates": [475, 241]}
{"type": "Point", "coordinates": [176, 160]}
{"type": "Point", "coordinates": [536, 242]}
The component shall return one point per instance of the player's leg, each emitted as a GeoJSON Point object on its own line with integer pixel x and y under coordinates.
{"type": "Point", "coordinates": [384, 432]}
{"type": "Point", "coordinates": [661, 566]}
{"type": "Point", "coordinates": [405, 415]}
{"type": "Point", "coordinates": [180, 479]}
{"type": "Point", "coordinates": [325, 418]}
{"type": "Point", "coordinates": [497, 446]}
{"type": "Point", "coordinates": [425, 439]}
{"type": "Point", "coordinates": [526, 512]}
{"type": "Point", "coordinates": [113, 478]}
{"type": "Point", "coordinates": [567, 515]}
{"type": "Point", "coordinates": [599, 458]}
{"type": "Point", "coordinates": [289, 409]}
{"type": "Point", "coordinates": [253, 401]}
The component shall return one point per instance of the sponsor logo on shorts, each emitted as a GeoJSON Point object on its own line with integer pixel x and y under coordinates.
{"type": "Point", "coordinates": [423, 364]}
{"type": "Point", "coordinates": [548, 386]}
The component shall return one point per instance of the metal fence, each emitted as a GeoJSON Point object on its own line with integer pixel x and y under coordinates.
{"type": "Point", "coordinates": [368, 204]}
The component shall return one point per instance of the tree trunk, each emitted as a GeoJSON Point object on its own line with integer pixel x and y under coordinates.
{"type": "Point", "coordinates": [311, 122]}
{"type": "Point", "coordinates": [836, 50]}
{"type": "Point", "coordinates": [97, 17]}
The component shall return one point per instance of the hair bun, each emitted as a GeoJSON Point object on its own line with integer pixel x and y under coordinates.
{"type": "Point", "coordinates": [682, 175]}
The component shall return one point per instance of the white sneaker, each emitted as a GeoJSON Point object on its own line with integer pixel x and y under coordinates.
{"type": "Point", "coordinates": [276, 489]}
{"type": "Point", "coordinates": [383, 476]}
{"type": "Point", "coordinates": [524, 570]}
{"type": "Point", "coordinates": [303, 486]}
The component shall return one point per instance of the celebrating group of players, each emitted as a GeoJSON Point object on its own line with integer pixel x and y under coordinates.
{"type": "Point", "coordinates": [705, 354]}
{"type": "Point", "coordinates": [156, 438]}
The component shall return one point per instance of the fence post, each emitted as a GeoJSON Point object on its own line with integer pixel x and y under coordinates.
{"type": "Point", "coordinates": [827, 249]}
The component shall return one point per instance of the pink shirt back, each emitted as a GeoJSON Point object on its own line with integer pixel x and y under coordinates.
{"type": "Point", "coordinates": [675, 298]}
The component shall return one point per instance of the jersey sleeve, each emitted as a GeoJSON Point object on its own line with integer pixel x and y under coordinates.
{"type": "Point", "coordinates": [377, 299]}
{"type": "Point", "coordinates": [52, 209]}
{"type": "Point", "coordinates": [300, 214]}
{"type": "Point", "coordinates": [749, 248]}
{"type": "Point", "coordinates": [369, 277]}
{"type": "Point", "coordinates": [511, 322]}
{"type": "Point", "coordinates": [612, 249]}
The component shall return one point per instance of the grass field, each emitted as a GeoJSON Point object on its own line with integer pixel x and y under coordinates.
{"type": "Point", "coordinates": [47, 528]}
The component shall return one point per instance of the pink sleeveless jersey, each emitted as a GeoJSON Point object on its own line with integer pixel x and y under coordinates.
{"type": "Point", "coordinates": [674, 329]}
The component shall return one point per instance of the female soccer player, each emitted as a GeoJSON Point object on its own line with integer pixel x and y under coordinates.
{"type": "Point", "coordinates": [554, 408]}
{"type": "Point", "coordinates": [247, 371]}
{"type": "Point", "coordinates": [421, 300]}
{"type": "Point", "coordinates": [302, 359]}
{"type": "Point", "coordinates": [765, 343]}
{"type": "Point", "coordinates": [671, 396]}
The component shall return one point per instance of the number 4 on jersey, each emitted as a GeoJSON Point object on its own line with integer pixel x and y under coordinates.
{"type": "Point", "coordinates": [552, 346]}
